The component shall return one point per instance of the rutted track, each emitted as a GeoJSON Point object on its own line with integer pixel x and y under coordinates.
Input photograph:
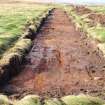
{"type": "Point", "coordinates": [61, 62]}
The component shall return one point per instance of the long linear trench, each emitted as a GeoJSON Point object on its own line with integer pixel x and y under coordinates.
{"type": "Point", "coordinates": [62, 61]}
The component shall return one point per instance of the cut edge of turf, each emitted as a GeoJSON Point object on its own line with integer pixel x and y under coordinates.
{"type": "Point", "coordinates": [11, 34]}
{"type": "Point", "coordinates": [12, 59]}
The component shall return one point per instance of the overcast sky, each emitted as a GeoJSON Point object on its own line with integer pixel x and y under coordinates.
{"type": "Point", "coordinates": [82, 1]}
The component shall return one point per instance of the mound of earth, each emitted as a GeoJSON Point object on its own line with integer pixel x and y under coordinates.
{"type": "Point", "coordinates": [97, 18]}
{"type": "Point", "coordinates": [81, 10]}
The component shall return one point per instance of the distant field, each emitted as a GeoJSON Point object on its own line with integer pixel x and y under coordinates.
{"type": "Point", "coordinates": [9, 1]}
{"type": "Point", "coordinates": [13, 18]}
{"type": "Point", "coordinates": [99, 9]}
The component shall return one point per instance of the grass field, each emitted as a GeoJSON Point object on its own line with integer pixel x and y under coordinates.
{"type": "Point", "coordinates": [13, 21]}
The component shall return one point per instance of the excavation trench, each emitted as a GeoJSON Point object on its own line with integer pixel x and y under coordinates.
{"type": "Point", "coordinates": [62, 61]}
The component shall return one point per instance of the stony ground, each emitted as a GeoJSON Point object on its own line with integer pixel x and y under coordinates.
{"type": "Point", "coordinates": [62, 62]}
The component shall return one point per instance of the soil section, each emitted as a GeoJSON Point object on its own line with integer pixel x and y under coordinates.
{"type": "Point", "coordinates": [62, 62]}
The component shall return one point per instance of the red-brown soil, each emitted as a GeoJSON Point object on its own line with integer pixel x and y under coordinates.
{"type": "Point", "coordinates": [62, 61]}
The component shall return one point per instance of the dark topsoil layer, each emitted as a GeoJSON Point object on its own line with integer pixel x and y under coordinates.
{"type": "Point", "coordinates": [62, 61]}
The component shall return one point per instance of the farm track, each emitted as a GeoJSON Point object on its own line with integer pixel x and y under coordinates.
{"type": "Point", "coordinates": [62, 61]}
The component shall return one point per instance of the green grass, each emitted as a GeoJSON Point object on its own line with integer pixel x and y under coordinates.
{"type": "Point", "coordinates": [13, 18]}
{"type": "Point", "coordinates": [97, 33]}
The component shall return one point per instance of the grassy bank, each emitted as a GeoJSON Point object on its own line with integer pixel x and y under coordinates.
{"type": "Point", "coordinates": [14, 19]}
{"type": "Point", "coordinates": [66, 100]}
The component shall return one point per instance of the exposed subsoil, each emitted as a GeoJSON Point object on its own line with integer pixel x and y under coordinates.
{"type": "Point", "coordinates": [62, 61]}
